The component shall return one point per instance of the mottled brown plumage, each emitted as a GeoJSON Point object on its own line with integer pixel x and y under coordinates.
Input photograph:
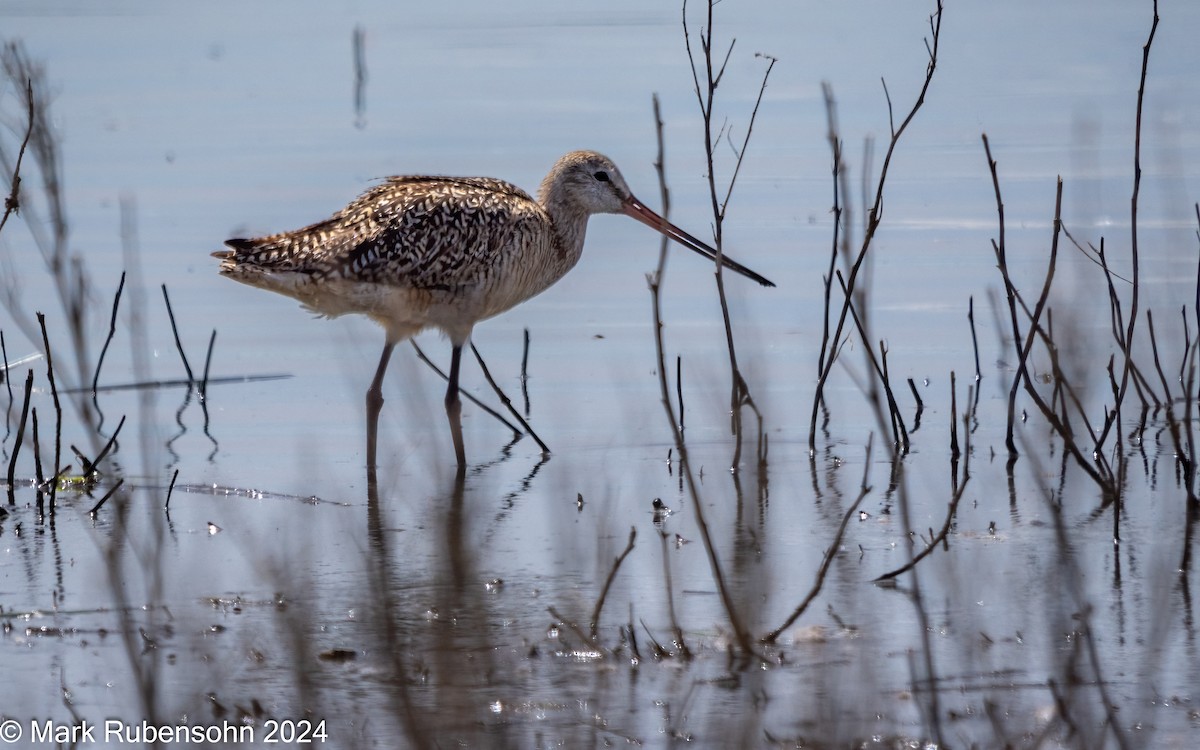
{"type": "Point", "coordinates": [444, 252]}
{"type": "Point", "coordinates": [413, 252]}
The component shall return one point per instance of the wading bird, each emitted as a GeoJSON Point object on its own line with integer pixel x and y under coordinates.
{"type": "Point", "coordinates": [444, 252]}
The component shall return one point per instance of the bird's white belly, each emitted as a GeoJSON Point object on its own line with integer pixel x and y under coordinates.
{"type": "Point", "coordinates": [402, 311]}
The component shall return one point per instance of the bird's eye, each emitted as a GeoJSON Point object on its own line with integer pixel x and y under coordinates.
{"type": "Point", "coordinates": [601, 176]}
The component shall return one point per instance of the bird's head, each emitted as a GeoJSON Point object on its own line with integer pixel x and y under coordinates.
{"type": "Point", "coordinates": [585, 183]}
{"type": "Point", "coordinates": [588, 182]}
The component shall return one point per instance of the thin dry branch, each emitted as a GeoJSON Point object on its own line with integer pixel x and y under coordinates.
{"type": "Point", "coordinates": [835, 145]}
{"type": "Point", "coordinates": [1001, 250]}
{"type": "Point", "coordinates": [874, 216]}
{"type": "Point", "coordinates": [112, 330]}
{"type": "Point", "coordinates": [12, 460]}
{"type": "Point", "coordinates": [879, 367]}
{"type": "Point", "coordinates": [1131, 324]}
{"type": "Point", "coordinates": [940, 537]}
{"type": "Point", "coordinates": [706, 96]}
{"type": "Point", "coordinates": [830, 553]}
{"type": "Point", "coordinates": [497, 415]}
{"type": "Point", "coordinates": [13, 202]}
{"type": "Point", "coordinates": [1037, 332]}
{"type": "Point", "coordinates": [612, 575]}
{"type": "Point", "coordinates": [687, 476]}
{"type": "Point", "coordinates": [175, 332]}
{"type": "Point", "coordinates": [57, 410]}
{"type": "Point", "coordinates": [504, 399]}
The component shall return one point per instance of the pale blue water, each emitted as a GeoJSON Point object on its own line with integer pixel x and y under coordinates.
{"type": "Point", "coordinates": [226, 119]}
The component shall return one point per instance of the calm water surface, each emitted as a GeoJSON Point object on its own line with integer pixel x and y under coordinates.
{"type": "Point", "coordinates": [274, 590]}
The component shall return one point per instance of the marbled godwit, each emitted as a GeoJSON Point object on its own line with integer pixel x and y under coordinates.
{"type": "Point", "coordinates": [444, 252]}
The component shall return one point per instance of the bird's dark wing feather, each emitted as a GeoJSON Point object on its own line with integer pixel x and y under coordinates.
{"type": "Point", "coordinates": [428, 232]}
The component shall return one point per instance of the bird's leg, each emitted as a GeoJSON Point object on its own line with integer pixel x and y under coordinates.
{"type": "Point", "coordinates": [374, 404]}
{"type": "Point", "coordinates": [454, 408]}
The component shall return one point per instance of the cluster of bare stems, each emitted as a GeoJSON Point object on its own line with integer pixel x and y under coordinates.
{"type": "Point", "coordinates": [706, 85]}
{"type": "Point", "coordinates": [853, 306]}
{"type": "Point", "coordinates": [96, 478]}
{"type": "Point", "coordinates": [1102, 451]}
{"type": "Point", "coordinates": [1085, 445]}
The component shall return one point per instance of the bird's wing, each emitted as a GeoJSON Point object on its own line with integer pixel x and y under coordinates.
{"type": "Point", "coordinates": [428, 232]}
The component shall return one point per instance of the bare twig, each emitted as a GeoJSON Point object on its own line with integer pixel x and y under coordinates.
{"type": "Point", "coordinates": [57, 408]}
{"type": "Point", "coordinates": [879, 366]}
{"type": "Point", "coordinates": [686, 474]}
{"type": "Point", "coordinates": [571, 625]}
{"type": "Point", "coordinates": [212, 340]}
{"type": "Point", "coordinates": [1131, 323]}
{"type": "Point", "coordinates": [7, 380]}
{"type": "Point", "coordinates": [974, 337]}
{"type": "Point", "coordinates": [1001, 249]}
{"type": "Point", "coordinates": [705, 96]}
{"type": "Point", "coordinates": [100, 503]}
{"type": "Point", "coordinates": [421, 356]}
{"type": "Point", "coordinates": [507, 402]}
{"type": "Point", "coordinates": [913, 387]}
{"type": "Point", "coordinates": [112, 330]}
{"type": "Point", "coordinates": [175, 332]}
{"type": "Point", "coordinates": [1058, 422]}
{"type": "Point", "coordinates": [959, 488]}
{"type": "Point", "coordinates": [874, 217]}
{"type": "Point", "coordinates": [170, 489]}
{"type": "Point", "coordinates": [612, 575]}
{"type": "Point", "coordinates": [668, 587]}
{"type": "Point", "coordinates": [830, 553]}
{"type": "Point", "coordinates": [39, 478]}
{"type": "Point", "coordinates": [1162, 376]}
{"type": "Point", "coordinates": [12, 460]}
{"type": "Point", "coordinates": [109, 445]}
{"type": "Point", "coordinates": [954, 450]}
{"type": "Point", "coordinates": [13, 202]}
{"type": "Point", "coordinates": [679, 389]}
{"type": "Point", "coordinates": [835, 145]}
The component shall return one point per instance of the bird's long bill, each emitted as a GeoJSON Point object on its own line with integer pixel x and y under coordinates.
{"type": "Point", "coordinates": [633, 207]}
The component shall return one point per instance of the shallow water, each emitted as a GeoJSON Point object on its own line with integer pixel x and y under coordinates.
{"type": "Point", "coordinates": [275, 590]}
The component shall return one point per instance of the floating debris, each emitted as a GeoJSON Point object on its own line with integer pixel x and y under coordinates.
{"type": "Point", "coordinates": [661, 511]}
{"type": "Point", "coordinates": [338, 655]}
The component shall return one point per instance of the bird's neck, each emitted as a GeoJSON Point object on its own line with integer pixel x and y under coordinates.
{"type": "Point", "coordinates": [570, 221]}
